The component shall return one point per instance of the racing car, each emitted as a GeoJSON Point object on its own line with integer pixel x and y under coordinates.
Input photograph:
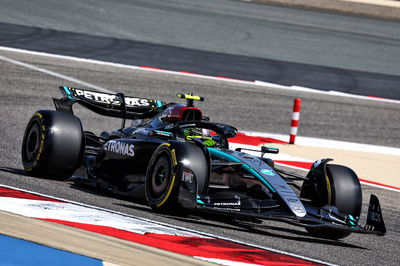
{"type": "Point", "coordinates": [174, 158]}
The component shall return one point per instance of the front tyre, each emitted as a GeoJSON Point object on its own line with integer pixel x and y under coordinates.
{"type": "Point", "coordinates": [53, 144]}
{"type": "Point", "coordinates": [162, 183]}
{"type": "Point", "coordinates": [342, 189]}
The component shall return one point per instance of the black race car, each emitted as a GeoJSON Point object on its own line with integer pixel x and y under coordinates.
{"type": "Point", "coordinates": [176, 159]}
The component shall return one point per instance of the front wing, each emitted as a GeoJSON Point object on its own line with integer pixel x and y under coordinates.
{"type": "Point", "coordinates": [325, 217]}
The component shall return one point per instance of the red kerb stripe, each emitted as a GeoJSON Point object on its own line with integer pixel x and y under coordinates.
{"type": "Point", "coordinates": [196, 246]}
{"type": "Point", "coordinates": [378, 184]}
{"type": "Point", "coordinates": [242, 138]}
{"type": "Point", "coordinates": [153, 68]}
{"type": "Point", "coordinates": [12, 193]}
{"type": "Point", "coordinates": [304, 165]}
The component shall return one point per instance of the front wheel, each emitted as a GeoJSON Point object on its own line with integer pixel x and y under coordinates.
{"type": "Point", "coordinates": [341, 188]}
{"type": "Point", "coordinates": [161, 183]}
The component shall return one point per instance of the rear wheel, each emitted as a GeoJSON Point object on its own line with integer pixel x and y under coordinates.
{"type": "Point", "coordinates": [342, 189]}
{"type": "Point", "coordinates": [162, 184]}
{"type": "Point", "coordinates": [52, 145]}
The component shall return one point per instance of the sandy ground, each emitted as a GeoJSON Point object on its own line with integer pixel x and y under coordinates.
{"type": "Point", "coordinates": [111, 250]}
{"type": "Point", "coordinates": [369, 166]}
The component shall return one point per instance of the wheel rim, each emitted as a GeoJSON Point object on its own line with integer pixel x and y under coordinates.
{"type": "Point", "coordinates": [160, 177]}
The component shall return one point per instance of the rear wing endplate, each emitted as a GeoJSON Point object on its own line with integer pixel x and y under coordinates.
{"type": "Point", "coordinates": [106, 104]}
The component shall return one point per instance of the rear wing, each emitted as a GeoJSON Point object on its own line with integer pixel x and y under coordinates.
{"type": "Point", "coordinates": [107, 104]}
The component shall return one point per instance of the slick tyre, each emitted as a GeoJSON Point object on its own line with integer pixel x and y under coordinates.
{"type": "Point", "coordinates": [53, 145]}
{"type": "Point", "coordinates": [343, 192]}
{"type": "Point", "coordinates": [162, 184]}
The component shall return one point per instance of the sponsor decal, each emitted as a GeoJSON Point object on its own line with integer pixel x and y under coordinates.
{"type": "Point", "coordinates": [228, 203]}
{"type": "Point", "coordinates": [267, 172]}
{"type": "Point", "coordinates": [292, 200]}
{"type": "Point", "coordinates": [120, 147]}
{"type": "Point", "coordinates": [110, 98]}
{"type": "Point", "coordinates": [187, 176]}
{"type": "Point", "coordinates": [286, 191]}
{"type": "Point", "coordinates": [297, 208]}
{"type": "Point", "coordinates": [375, 216]}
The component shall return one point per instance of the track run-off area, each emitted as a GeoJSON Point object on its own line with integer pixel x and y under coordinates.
{"type": "Point", "coordinates": [249, 61]}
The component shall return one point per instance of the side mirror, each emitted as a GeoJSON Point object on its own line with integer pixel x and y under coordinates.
{"type": "Point", "coordinates": [265, 149]}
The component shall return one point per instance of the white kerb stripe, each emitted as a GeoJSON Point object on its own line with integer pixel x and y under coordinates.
{"type": "Point", "coordinates": [226, 262]}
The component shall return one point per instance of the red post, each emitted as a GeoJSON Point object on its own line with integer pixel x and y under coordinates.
{"type": "Point", "coordinates": [295, 120]}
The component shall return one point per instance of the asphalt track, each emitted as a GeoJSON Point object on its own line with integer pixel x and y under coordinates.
{"type": "Point", "coordinates": [228, 38]}
{"type": "Point", "coordinates": [23, 91]}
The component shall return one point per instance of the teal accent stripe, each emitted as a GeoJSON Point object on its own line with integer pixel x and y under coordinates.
{"type": "Point", "coordinates": [67, 90]}
{"type": "Point", "coordinates": [69, 93]}
{"type": "Point", "coordinates": [199, 200]}
{"type": "Point", "coordinates": [245, 166]}
{"type": "Point", "coordinates": [223, 155]}
{"type": "Point", "coordinates": [159, 103]}
{"type": "Point", "coordinates": [164, 132]}
{"type": "Point", "coordinates": [352, 220]}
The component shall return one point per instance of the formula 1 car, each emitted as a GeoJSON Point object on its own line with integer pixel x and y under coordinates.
{"type": "Point", "coordinates": [176, 159]}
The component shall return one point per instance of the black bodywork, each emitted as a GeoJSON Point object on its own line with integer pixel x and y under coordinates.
{"type": "Point", "coordinates": [206, 178]}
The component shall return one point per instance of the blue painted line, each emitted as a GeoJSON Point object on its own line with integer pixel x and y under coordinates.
{"type": "Point", "coordinates": [14, 251]}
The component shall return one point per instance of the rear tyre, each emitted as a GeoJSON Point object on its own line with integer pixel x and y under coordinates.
{"type": "Point", "coordinates": [343, 190]}
{"type": "Point", "coordinates": [53, 144]}
{"type": "Point", "coordinates": [162, 183]}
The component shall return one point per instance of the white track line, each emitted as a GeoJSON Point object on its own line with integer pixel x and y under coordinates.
{"type": "Point", "coordinates": [105, 63]}
{"type": "Point", "coordinates": [256, 82]}
{"type": "Point", "coordinates": [54, 74]}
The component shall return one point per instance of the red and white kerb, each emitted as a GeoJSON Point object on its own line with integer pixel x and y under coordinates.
{"type": "Point", "coordinates": [295, 120]}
